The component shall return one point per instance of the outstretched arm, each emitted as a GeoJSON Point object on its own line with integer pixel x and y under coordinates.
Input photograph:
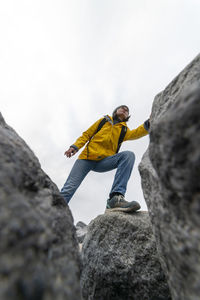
{"type": "Point", "coordinates": [139, 132]}
{"type": "Point", "coordinates": [83, 139]}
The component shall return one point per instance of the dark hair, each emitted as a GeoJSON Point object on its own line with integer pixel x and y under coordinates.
{"type": "Point", "coordinates": [115, 110]}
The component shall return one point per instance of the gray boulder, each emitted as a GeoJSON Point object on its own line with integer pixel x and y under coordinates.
{"type": "Point", "coordinates": [120, 260]}
{"type": "Point", "coordinates": [81, 230]}
{"type": "Point", "coordinates": [170, 171]}
{"type": "Point", "coordinates": [39, 256]}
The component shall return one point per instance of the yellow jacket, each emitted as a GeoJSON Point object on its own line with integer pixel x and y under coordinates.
{"type": "Point", "coordinates": [104, 143]}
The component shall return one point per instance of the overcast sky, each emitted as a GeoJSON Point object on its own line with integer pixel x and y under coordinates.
{"type": "Point", "coordinates": [64, 64]}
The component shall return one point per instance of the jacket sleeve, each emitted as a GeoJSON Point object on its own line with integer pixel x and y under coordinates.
{"type": "Point", "coordinates": [137, 133]}
{"type": "Point", "coordinates": [86, 135]}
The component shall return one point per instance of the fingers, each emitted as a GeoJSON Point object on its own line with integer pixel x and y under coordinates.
{"type": "Point", "coordinates": [67, 153]}
{"type": "Point", "coordinates": [70, 152]}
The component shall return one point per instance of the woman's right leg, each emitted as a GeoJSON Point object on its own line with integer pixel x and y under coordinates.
{"type": "Point", "coordinates": [79, 170]}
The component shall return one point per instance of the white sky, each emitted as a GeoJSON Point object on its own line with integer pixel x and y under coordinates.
{"type": "Point", "coordinates": [64, 64]}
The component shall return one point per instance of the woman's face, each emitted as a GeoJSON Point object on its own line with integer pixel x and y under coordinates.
{"type": "Point", "coordinates": [122, 113]}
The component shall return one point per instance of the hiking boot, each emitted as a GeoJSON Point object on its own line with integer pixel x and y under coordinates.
{"type": "Point", "coordinates": [118, 203]}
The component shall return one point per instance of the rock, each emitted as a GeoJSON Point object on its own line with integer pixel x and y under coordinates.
{"type": "Point", "coordinates": [39, 256]}
{"type": "Point", "coordinates": [81, 230]}
{"type": "Point", "coordinates": [170, 171]}
{"type": "Point", "coordinates": [120, 260]}
{"type": "Point", "coordinates": [80, 224]}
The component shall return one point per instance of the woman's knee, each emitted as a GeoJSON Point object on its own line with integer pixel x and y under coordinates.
{"type": "Point", "coordinates": [129, 155]}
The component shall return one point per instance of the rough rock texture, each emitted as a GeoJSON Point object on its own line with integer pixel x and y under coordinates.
{"type": "Point", "coordinates": [39, 257]}
{"type": "Point", "coordinates": [170, 172]}
{"type": "Point", "coordinates": [120, 260]}
{"type": "Point", "coordinates": [81, 230]}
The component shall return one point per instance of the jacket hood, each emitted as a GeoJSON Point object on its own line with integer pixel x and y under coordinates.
{"type": "Point", "coordinates": [112, 120]}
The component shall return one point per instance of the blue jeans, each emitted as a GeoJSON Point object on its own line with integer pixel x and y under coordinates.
{"type": "Point", "coordinates": [123, 161]}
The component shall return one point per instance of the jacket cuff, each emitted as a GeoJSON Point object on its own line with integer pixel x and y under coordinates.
{"type": "Point", "coordinates": [147, 125]}
{"type": "Point", "coordinates": [75, 147]}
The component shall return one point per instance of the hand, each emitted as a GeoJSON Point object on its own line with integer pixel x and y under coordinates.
{"type": "Point", "coordinates": [70, 152]}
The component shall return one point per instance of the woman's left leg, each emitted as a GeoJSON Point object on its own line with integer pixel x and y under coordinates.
{"type": "Point", "coordinates": [123, 162]}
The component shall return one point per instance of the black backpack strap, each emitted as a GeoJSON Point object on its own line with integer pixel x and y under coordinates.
{"type": "Point", "coordinates": [102, 122]}
{"type": "Point", "coordinates": [121, 137]}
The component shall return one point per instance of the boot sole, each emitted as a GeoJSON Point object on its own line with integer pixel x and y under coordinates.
{"type": "Point", "coordinates": [128, 209]}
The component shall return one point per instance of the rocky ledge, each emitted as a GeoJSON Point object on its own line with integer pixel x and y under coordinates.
{"type": "Point", "coordinates": [39, 256]}
{"type": "Point", "coordinates": [170, 171]}
{"type": "Point", "coordinates": [120, 260]}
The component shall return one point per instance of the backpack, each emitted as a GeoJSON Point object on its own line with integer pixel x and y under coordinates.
{"type": "Point", "coordinates": [122, 134]}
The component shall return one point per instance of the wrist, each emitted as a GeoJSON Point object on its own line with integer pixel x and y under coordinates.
{"type": "Point", "coordinates": [74, 147]}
